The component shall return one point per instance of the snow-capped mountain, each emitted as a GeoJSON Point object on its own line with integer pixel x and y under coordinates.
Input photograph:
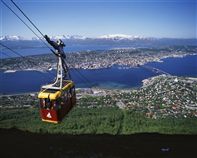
{"type": "Point", "coordinates": [103, 38]}
{"type": "Point", "coordinates": [78, 37]}
{"type": "Point", "coordinates": [63, 37]}
{"type": "Point", "coordinates": [120, 37]}
{"type": "Point", "coordinates": [102, 42]}
{"type": "Point", "coordinates": [109, 37]}
{"type": "Point", "coordinates": [35, 38]}
{"type": "Point", "coordinates": [68, 37]}
{"type": "Point", "coordinates": [11, 38]}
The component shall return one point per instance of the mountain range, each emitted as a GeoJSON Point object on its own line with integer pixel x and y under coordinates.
{"type": "Point", "coordinates": [77, 37]}
{"type": "Point", "coordinates": [11, 38]}
{"type": "Point", "coordinates": [102, 42]}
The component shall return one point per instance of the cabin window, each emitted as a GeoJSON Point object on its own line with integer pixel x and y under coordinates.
{"type": "Point", "coordinates": [63, 98]}
{"type": "Point", "coordinates": [48, 104]}
{"type": "Point", "coordinates": [55, 104]}
{"type": "Point", "coordinates": [42, 103]}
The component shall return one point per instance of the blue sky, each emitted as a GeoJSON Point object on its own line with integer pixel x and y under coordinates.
{"type": "Point", "coordinates": [149, 18]}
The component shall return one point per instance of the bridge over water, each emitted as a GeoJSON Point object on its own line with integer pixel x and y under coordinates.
{"type": "Point", "coordinates": [153, 69]}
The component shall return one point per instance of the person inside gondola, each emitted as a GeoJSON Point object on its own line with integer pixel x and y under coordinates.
{"type": "Point", "coordinates": [58, 46]}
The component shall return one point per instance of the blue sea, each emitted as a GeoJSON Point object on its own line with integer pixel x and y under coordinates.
{"type": "Point", "coordinates": [114, 77]}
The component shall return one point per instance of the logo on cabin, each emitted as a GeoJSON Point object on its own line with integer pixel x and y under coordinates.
{"type": "Point", "coordinates": [49, 115]}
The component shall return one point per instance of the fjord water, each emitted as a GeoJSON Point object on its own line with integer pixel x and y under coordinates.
{"type": "Point", "coordinates": [36, 47]}
{"type": "Point", "coordinates": [114, 77]}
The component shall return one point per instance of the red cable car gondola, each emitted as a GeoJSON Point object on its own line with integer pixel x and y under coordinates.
{"type": "Point", "coordinates": [55, 104]}
{"type": "Point", "coordinates": [58, 98]}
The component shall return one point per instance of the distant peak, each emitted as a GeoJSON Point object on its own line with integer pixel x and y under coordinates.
{"type": "Point", "coordinates": [11, 38]}
{"type": "Point", "coordinates": [119, 36]}
{"type": "Point", "coordinates": [68, 37]}
{"type": "Point", "coordinates": [15, 37]}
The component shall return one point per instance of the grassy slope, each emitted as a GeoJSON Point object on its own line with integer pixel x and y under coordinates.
{"type": "Point", "coordinates": [96, 121]}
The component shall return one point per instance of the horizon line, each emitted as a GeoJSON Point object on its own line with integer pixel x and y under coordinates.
{"type": "Point", "coordinates": [98, 37]}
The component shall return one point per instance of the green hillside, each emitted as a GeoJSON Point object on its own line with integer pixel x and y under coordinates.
{"type": "Point", "coordinates": [111, 120]}
{"type": "Point", "coordinates": [165, 104]}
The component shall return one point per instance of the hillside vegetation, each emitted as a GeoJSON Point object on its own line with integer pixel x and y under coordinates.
{"type": "Point", "coordinates": [109, 120]}
{"type": "Point", "coordinates": [165, 104]}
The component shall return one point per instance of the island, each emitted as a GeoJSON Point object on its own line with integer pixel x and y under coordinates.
{"type": "Point", "coordinates": [130, 57]}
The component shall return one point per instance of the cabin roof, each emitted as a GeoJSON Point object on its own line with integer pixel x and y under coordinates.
{"type": "Point", "coordinates": [53, 94]}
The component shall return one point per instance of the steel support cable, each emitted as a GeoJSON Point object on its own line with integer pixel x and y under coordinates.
{"type": "Point", "coordinates": [31, 23]}
{"type": "Point", "coordinates": [27, 17]}
{"type": "Point", "coordinates": [82, 76]}
{"type": "Point", "coordinates": [20, 19]}
{"type": "Point", "coordinates": [6, 54]}
{"type": "Point", "coordinates": [66, 70]}
{"type": "Point", "coordinates": [38, 31]}
{"type": "Point", "coordinates": [27, 26]}
{"type": "Point", "coordinates": [10, 57]}
{"type": "Point", "coordinates": [17, 53]}
{"type": "Point", "coordinates": [24, 57]}
{"type": "Point", "coordinates": [12, 50]}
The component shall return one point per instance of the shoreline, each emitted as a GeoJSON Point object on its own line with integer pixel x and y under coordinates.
{"type": "Point", "coordinates": [103, 86]}
{"type": "Point", "coordinates": [160, 60]}
{"type": "Point", "coordinates": [100, 91]}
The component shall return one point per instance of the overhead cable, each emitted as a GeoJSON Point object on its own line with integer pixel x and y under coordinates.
{"type": "Point", "coordinates": [27, 26]}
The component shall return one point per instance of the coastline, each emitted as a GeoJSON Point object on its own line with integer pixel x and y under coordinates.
{"type": "Point", "coordinates": [109, 80]}
{"type": "Point", "coordinates": [123, 65]}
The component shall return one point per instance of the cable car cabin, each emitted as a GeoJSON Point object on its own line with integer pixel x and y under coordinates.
{"type": "Point", "coordinates": [56, 103]}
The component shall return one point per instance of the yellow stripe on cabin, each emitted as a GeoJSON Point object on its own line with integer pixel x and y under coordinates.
{"type": "Point", "coordinates": [53, 96]}
{"type": "Point", "coordinates": [50, 121]}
